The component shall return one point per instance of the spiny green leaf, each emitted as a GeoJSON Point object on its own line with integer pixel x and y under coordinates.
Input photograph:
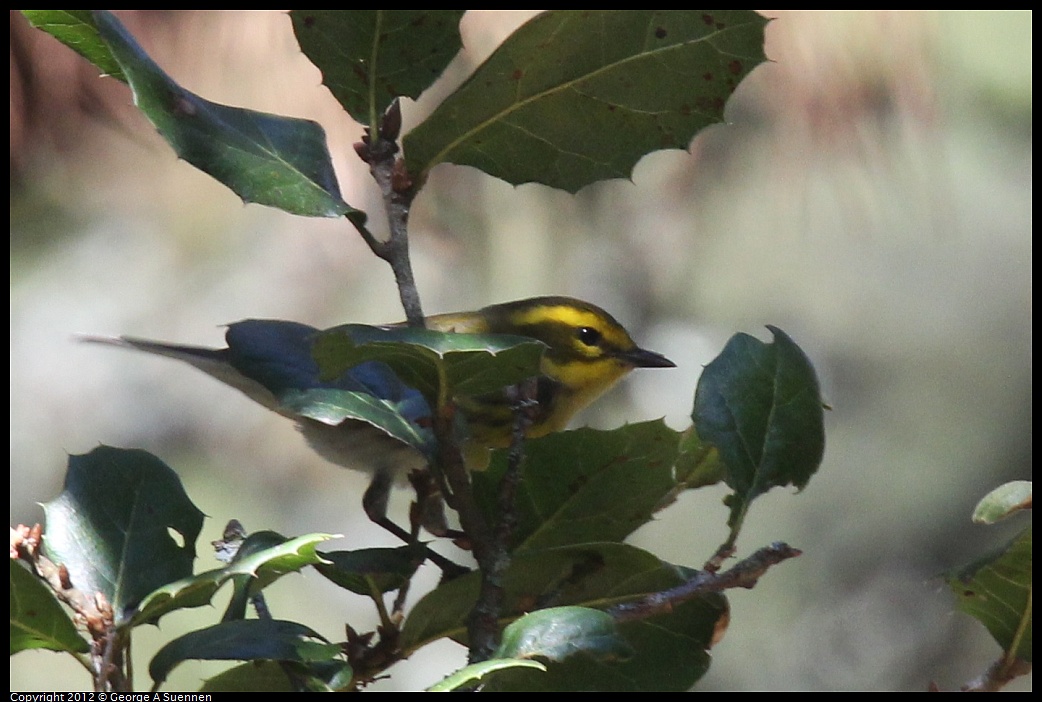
{"type": "Point", "coordinates": [111, 526]}
{"type": "Point", "coordinates": [76, 29]}
{"type": "Point", "coordinates": [370, 57]}
{"type": "Point", "coordinates": [586, 485]}
{"type": "Point", "coordinates": [996, 590]}
{"type": "Point", "coordinates": [255, 676]}
{"type": "Point", "coordinates": [560, 632]}
{"type": "Point", "coordinates": [268, 159]}
{"type": "Point", "coordinates": [698, 464]}
{"type": "Point", "coordinates": [265, 566]}
{"type": "Point", "coordinates": [335, 407]}
{"type": "Point", "coordinates": [576, 96]}
{"type": "Point", "coordinates": [274, 676]}
{"type": "Point", "coordinates": [363, 570]}
{"type": "Point", "coordinates": [246, 640]}
{"type": "Point", "coordinates": [760, 406]}
{"type": "Point", "coordinates": [478, 671]}
{"type": "Point", "coordinates": [438, 364]}
{"type": "Point", "coordinates": [37, 620]}
{"type": "Point", "coordinates": [590, 575]}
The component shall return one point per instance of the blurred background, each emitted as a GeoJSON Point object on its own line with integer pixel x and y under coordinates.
{"type": "Point", "coordinates": [871, 195]}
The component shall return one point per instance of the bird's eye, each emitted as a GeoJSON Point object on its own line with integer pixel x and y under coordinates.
{"type": "Point", "coordinates": [589, 336]}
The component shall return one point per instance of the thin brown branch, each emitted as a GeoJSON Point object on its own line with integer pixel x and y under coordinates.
{"type": "Point", "coordinates": [744, 574]}
{"type": "Point", "coordinates": [94, 613]}
{"type": "Point", "coordinates": [483, 627]}
{"type": "Point", "coordinates": [450, 468]}
{"type": "Point", "coordinates": [388, 170]}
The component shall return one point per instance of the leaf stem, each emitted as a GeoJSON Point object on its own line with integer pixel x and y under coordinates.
{"type": "Point", "coordinates": [727, 548]}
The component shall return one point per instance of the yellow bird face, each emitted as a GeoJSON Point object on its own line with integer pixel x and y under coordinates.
{"type": "Point", "coordinates": [588, 352]}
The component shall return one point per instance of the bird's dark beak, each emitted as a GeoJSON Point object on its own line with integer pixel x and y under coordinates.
{"type": "Point", "coordinates": [642, 358]}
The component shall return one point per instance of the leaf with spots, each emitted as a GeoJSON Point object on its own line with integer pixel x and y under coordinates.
{"type": "Point", "coordinates": [576, 96]}
{"type": "Point", "coordinates": [996, 590]}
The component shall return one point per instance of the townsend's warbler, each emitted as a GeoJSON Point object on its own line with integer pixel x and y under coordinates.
{"type": "Point", "coordinates": [271, 361]}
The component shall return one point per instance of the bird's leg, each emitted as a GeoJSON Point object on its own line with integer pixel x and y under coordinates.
{"type": "Point", "coordinates": [377, 495]}
{"type": "Point", "coordinates": [374, 502]}
{"type": "Point", "coordinates": [428, 511]}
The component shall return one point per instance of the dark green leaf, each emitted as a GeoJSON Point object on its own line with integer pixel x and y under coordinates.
{"type": "Point", "coordinates": [560, 632]}
{"type": "Point", "coordinates": [37, 620]}
{"type": "Point", "coordinates": [76, 29]}
{"type": "Point", "coordinates": [671, 650]}
{"type": "Point", "coordinates": [245, 640]}
{"type": "Point", "coordinates": [571, 575]}
{"type": "Point", "coordinates": [438, 364]}
{"type": "Point", "coordinates": [760, 406]}
{"type": "Point", "coordinates": [334, 407]}
{"type": "Point", "coordinates": [246, 585]}
{"type": "Point", "coordinates": [476, 671]}
{"type": "Point", "coordinates": [698, 465]}
{"type": "Point", "coordinates": [111, 526]}
{"type": "Point", "coordinates": [370, 57]}
{"type": "Point", "coordinates": [671, 655]}
{"type": "Point", "coordinates": [255, 676]}
{"type": "Point", "coordinates": [586, 485]}
{"type": "Point", "coordinates": [996, 590]}
{"type": "Point", "coordinates": [369, 569]}
{"type": "Point", "coordinates": [265, 566]}
{"type": "Point", "coordinates": [272, 160]}
{"type": "Point", "coordinates": [272, 676]}
{"type": "Point", "coordinates": [576, 96]}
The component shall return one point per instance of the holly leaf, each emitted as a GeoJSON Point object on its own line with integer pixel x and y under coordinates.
{"type": "Point", "coordinates": [586, 485]}
{"type": "Point", "coordinates": [477, 671]}
{"type": "Point", "coordinates": [559, 632]}
{"type": "Point", "coordinates": [397, 418]}
{"type": "Point", "coordinates": [368, 58]}
{"type": "Point", "coordinates": [244, 640]}
{"type": "Point", "coordinates": [76, 29]}
{"type": "Point", "coordinates": [268, 159]}
{"type": "Point", "coordinates": [996, 590]}
{"type": "Point", "coordinates": [262, 568]}
{"type": "Point", "coordinates": [372, 570]}
{"type": "Point", "coordinates": [670, 651]}
{"type": "Point", "coordinates": [438, 364]}
{"type": "Point", "coordinates": [577, 96]}
{"type": "Point", "coordinates": [37, 620]}
{"type": "Point", "coordinates": [760, 406]}
{"type": "Point", "coordinates": [112, 526]}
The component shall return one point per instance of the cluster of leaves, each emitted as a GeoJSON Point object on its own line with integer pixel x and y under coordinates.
{"type": "Point", "coordinates": [585, 492]}
{"type": "Point", "coordinates": [996, 589]}
{"type": "Point", "coordinates": [571, 98]}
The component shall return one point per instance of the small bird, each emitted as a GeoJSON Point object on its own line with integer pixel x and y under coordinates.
{"type": "Point", "coordinates": [587, 352]}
